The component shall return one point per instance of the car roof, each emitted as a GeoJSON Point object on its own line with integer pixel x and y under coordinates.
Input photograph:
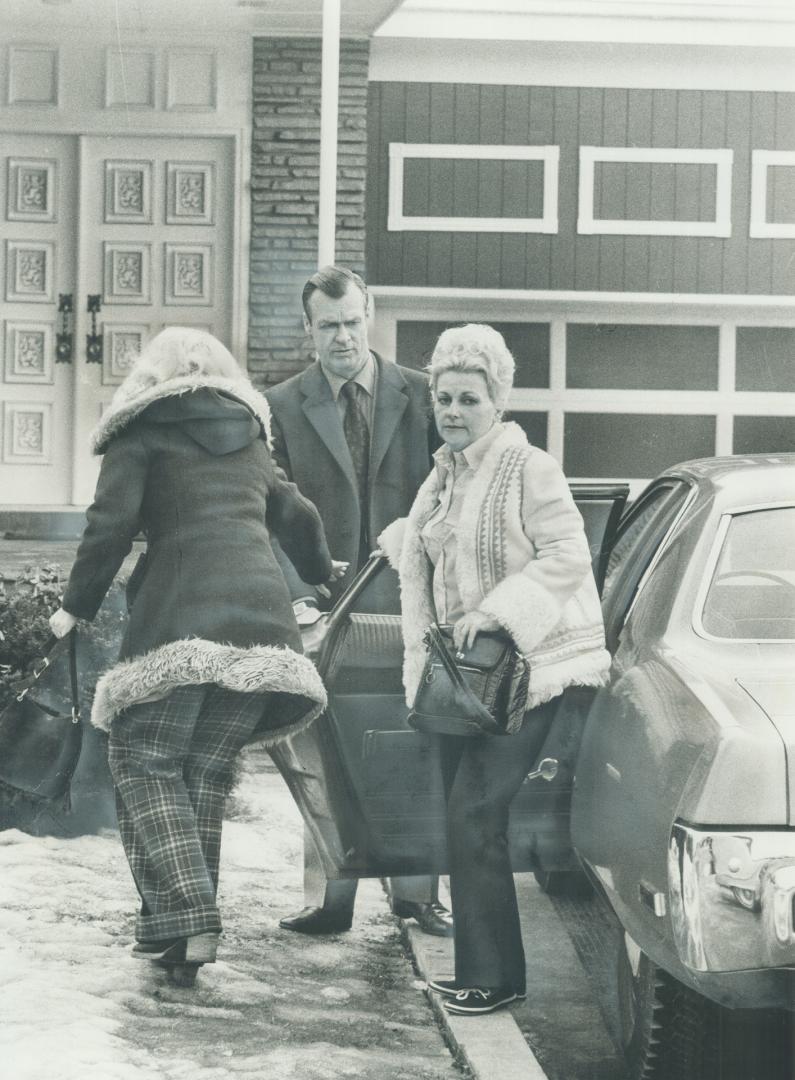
{"type": "Point", "coordinates": [741, 479]}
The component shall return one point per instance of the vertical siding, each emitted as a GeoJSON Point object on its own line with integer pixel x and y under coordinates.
{"type": "Point", "coordinates": [570, 117]}
{"type": "Point", "coordinates": [564, 135]}
{"type": "Point", "coordinates": [611, 248]}
{"type": "Point", "coordinates": [714, 136]}
{"type": "Point", "coordinates": [762, 136]}
{"type": "Point", "coordinates": [687, 203]}
{"type": "Point", "coordinates": [735, 249]}
{"type": "Point", "coordinates": [466, 129]}
{"type": "Point", "coordinates": [782, 261]}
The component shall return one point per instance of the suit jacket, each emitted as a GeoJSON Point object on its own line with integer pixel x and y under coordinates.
{"type": "Point", "coordinates": [309, 444]}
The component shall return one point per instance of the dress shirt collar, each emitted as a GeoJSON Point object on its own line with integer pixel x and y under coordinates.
{"type": "Point", "coordinates": [472, 456]}
{"type": "Point", "coordinates": [364, 378]}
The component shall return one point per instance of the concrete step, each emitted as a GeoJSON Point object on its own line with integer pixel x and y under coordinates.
{"type": "Point", "coordinates": [41, 522]}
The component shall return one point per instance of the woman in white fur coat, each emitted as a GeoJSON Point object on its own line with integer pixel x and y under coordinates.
{"type": "Point", "coordinates": [211, 658]}
{"type": "Point", "coordinates": [492, 541]}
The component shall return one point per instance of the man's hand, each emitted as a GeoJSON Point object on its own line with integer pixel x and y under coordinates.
{"type": "Point", "coordinates": [61, 622]}
{"type": "Point", "coordinates": [469, 626]}
{"type": "Point", "coordinates": [338, 570]}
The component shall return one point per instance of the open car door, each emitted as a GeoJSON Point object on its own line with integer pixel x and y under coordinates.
{"type": "Point", "coordinates": [381, 809]}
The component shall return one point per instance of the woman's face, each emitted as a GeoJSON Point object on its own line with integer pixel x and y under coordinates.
{"type": "Point", "coordinates": [462, 407]}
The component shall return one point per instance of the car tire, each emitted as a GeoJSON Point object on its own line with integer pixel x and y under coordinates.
{"type": "Point", "coordinates": [668, 1031]}
{"type": "Point", "coordinates": [567, 884]}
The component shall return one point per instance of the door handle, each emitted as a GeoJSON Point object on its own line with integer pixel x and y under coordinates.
{"type": "Point", "coordinates": [94, 339]}
{"type": "Point", "coordinates": [547, 769]}
{"type": "Point", "coordinates": [65, 340]}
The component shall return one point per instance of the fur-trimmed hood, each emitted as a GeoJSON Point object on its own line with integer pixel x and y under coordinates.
{"type": "Point", "coordinates": [138, 391]}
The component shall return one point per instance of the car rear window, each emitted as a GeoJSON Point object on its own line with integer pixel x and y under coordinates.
{"type": "Point", "coordinates": [752, 592]}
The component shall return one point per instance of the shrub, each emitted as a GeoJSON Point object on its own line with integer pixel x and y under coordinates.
{"type": "Point", "coordinates": [25, 607]}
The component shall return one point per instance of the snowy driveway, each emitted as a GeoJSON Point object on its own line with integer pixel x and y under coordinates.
{"type": "Point", "coordinates": [75, 1006]}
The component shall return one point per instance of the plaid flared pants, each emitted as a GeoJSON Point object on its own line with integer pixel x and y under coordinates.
{"type": "Point", "coordinates": [172, 763]}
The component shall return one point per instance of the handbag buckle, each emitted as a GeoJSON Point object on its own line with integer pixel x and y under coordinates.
{"type": "Point", "coordinates": [23, 694]}
{"type": "Point", "coordinates": [75, 715]}
{"type": "Point", "coordinates": [38, 672]}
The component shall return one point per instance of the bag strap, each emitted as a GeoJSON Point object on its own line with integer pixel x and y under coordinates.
{"type": "Point", "coordinates": [436, 639]}
{"type": "Point", "coordinates": [53, 647]}
{"type": "Point", "coordinates": [439, 645]}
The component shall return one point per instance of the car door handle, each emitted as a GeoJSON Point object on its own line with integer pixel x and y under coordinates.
{"type": "Point", "coordinates": [547, 769]}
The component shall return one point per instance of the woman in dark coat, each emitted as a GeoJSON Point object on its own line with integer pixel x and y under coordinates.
{"type": "Point", "coordinates": [212, 656]}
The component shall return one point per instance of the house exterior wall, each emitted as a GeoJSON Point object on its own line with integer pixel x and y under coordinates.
{"type": "Point", "coordinates": [284, 190]}
{"type": "Point", "coordinates": [569, 118]}
{"type": "Point", "coordinates": [651, 311]}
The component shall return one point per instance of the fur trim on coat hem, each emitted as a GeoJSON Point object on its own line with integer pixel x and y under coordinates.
{"type": "Point", "coordinates": [192, 661]}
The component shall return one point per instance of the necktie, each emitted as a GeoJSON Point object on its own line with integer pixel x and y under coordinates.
{"type": "Point", "coordinates": [357, 435]}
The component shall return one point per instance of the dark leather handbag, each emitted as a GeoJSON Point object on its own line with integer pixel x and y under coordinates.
{"type": "Point", "coordinates": [40, 745]}
{"type": "Point", "coordinates": [479, 692]}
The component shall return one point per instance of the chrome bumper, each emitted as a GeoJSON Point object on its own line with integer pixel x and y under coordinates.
{"type": "Point", "coordinates": [732, 897]}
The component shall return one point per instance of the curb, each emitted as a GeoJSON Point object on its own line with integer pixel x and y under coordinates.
{"type": "Point", "coordinates": [492, 1047]}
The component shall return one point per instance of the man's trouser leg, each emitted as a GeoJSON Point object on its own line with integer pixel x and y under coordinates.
{"type": "Point", "coordinates": [340, 895]}
{"type": "Point", "coordinates": [318, 891]}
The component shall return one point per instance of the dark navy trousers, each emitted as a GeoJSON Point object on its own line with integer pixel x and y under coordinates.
{"type": "Point", "coordinates": [481, 777]}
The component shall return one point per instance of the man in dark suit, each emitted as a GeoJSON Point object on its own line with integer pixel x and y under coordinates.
{"type": "Point", "coordinates": [354, 433]}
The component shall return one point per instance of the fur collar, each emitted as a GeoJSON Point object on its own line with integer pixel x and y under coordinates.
{"type": "Point", "coordinates": [428, 494]}
{"type": "Point", "coordinates": [138, 391]}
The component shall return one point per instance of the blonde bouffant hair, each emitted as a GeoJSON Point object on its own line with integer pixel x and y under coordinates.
{"type": "Point", "coordinates": [180, 351]}
{"type": "Point", "coordinates": [478, 348]}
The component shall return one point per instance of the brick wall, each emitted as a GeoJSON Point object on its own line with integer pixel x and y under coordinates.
{"type": "Point", "coordinates": [284, 191]}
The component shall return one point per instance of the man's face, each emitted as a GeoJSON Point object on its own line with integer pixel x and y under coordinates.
{"type": "Point", "coordinates": [339, 331]}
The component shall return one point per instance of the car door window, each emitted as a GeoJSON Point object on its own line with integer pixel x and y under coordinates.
{"type": "Point", "coordinates": [601, 506]}
{"type": "Point", "coordinates": [639, 537]}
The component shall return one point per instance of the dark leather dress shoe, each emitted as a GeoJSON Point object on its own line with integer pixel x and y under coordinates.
{"type": "Point", "coordinates": [317, 920]}
{"type": "Point", "coordinates": [432, 918]}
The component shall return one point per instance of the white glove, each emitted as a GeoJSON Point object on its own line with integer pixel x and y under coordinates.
{"type": "Point", "coordinates": [61, 622]}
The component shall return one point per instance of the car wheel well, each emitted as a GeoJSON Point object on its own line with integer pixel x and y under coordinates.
{"type": "Point", "coordinates": [668, 1031]}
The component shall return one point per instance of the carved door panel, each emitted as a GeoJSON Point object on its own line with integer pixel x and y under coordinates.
{"type": "Point", "coordinates": [38, 194]}
{"type": "Point", "coordinates": [155, 250]}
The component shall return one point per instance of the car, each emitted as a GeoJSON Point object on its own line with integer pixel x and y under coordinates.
{"type": "Point", "coordinates": [671, 789]}
{"type": "Point", "coordinates": [687, 755]}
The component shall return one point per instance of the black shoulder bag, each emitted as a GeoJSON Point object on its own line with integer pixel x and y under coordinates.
{"type": "Point", "coordinates": [40, 745]}
{"type": "Point", "coordinates": [480, 692]}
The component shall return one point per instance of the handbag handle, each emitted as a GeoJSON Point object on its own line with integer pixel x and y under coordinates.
{"type": "Point", "coordinates": [51, 650]}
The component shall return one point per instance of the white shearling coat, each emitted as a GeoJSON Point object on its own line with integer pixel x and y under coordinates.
{"type": "Point", "coordinates": [522, 557]}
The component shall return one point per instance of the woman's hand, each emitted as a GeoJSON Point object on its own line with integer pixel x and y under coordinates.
{"type": "Point", "coordinates": [469, 626]}
{"type": "Point", "coordinates": [338, 569]}
{"type": "Point", "coordinates": [61, 622]}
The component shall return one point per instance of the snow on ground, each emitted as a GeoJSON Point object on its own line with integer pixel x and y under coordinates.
{"type": "Point", "coordinates": [74, 1005]}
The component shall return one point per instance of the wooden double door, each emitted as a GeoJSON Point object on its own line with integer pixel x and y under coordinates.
{"type": "Point", "coordinates": [105, 240]}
